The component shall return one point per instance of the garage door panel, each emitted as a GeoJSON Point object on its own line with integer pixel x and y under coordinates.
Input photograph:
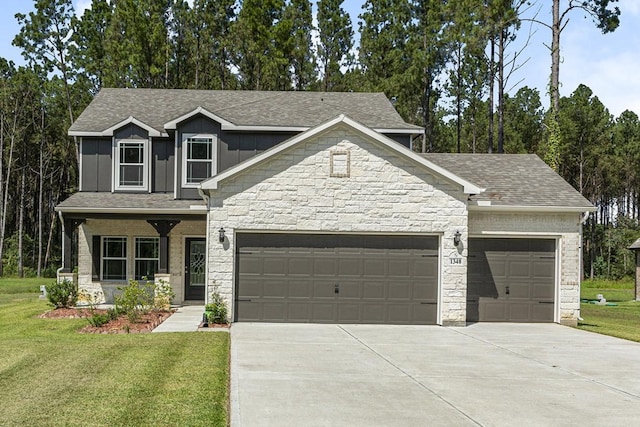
{"type": "Point", "coordinates": [300, 265]}
{"type": "Point", "coordinates": [298, 312]}
{"type": "Point", "coordinates": [275, 266]}
{"type": "Point", "coordinates": [323, 312]}
{"type": "Point", "coordinates": [374, 268]}
{"type": "Point", "coordinates": [518, 269]}
{"type": "Point", "coordinates": [378, 279]}
{"type": "Point", "coordinates": [323, 289]}
{"type": "Point", "coordinates": [349, 267]}
{"type": "Point", "coordinates": [373, 290]}
{"type": "Point", "coordinates": [274, 289]}
{"type": "Point", "coordinates": [509, 277]}
{"type": "Point", "coordinates": [373, 313]}
{"type": "Point", "coordinates": [348, 313]}
{"type": "Point", "coordinates": [423, 292]}
{"type": "Point", "coordinates": [400, 268]}
{"type": "Point", "coordinates": [426, 267]}
{"type": "Point", "coordinates": [400, 291]}
{"type": "Point", "coordinates": [325, 267]}
{"type": "Point", "coordinates": [349, 290]}
{"type": "Point", "coordinates": [274, 311]}
{"type": "Point", "coordinates": [422, 313]}
{"type": "Point", "coordinates": [299, 289]}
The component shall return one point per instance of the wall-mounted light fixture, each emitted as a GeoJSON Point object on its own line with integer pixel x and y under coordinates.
{"type": "Point", "coordinates": [456, 238]}
{"type": "Point", "coordinates": [221, 235]}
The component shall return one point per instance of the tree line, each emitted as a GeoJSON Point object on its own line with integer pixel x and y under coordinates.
{"type": "Point", "coordinates": [445, 64]}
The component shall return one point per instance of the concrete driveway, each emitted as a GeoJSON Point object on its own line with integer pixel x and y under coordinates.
{"type": "Point", "coordinates": [483, 374]}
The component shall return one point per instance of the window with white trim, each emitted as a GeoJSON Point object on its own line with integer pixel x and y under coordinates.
{"type": "Point", "coordinates": [198, 153]}
{"type": "Point", "coordinates": [114, 258]}
{"type": "Point", "coordinates": [147, 257]}
{"type": "Point", "coordinates": [131, 164]}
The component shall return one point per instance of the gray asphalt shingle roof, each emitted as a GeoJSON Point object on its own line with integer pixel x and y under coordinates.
{"type": "Point", "coordinates": [512, 179]}
{"type": "Point", "coordinates": [134, 201]}
{"type": "Point", "coordinates": [155, 107]}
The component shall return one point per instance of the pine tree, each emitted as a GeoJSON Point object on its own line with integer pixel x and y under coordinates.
{"type": "Point", "coordinates": [335, 41]}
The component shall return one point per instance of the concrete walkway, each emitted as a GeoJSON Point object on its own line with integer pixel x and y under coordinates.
{"type": "Point", "coordinates": [186, 319]}
{"type": "Point", "coordinates": [487, 374]}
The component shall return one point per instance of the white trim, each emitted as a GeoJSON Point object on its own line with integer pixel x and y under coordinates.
{"type": "Point", "coordinates": [213, 161]}
{"type": "Point", "coordinates": [130, 211]}
{"type": "Point", "coordinates": [530, 209]}
{"type": "Point", "coordinates": [227, 125]}
{"type": "Point", "coordinates": [176, 163]}
{"type": "Point", "coordinates": [440, 274]}
{"type": "Point", "coordinates": [468, 187]}
{"type": "Point", "coordinates": [173, 124]}
{"type": "Point", "coordinates": [400, 131]}
{"type": "Point", "coordinates": [110, 130]}
{"type": "Point", "coordinates": [80, 175]}
{"type": "Point", "coordinates": [145, 165]}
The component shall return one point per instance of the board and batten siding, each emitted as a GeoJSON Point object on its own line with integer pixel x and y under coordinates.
{"type": "Point", "coordinates": [385, 193]}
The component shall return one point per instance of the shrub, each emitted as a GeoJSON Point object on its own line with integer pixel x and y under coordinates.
{"type": "Point", "coordinates": [98, 319]}
{"type": "Point", "coordinates": [62, 294]}
{"type": "Point", "coordinates": [136, 299]}
{"type": "Point", "coordinates": [216, 310]}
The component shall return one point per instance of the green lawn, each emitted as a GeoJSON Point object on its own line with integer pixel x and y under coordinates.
{"type": "Point", "coordinates": [50, 375]}
{"type": "Point", "coordinates": [622, 320]}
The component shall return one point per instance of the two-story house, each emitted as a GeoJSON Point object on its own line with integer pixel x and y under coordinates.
{"type": "Point", "coordinates": [313, 207]}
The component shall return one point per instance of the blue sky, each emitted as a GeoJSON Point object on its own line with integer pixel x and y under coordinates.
{"type": "Point", "coordinates": [608, 64]}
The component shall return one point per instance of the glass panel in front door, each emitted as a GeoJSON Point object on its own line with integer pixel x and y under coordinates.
{"type": "Point", "coordinates": [196, 262]}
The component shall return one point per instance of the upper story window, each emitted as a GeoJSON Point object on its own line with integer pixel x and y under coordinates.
{"type": "Point", "coordinates": [199, 163]}
{"type": "Point", "coordinates": [131, 164]}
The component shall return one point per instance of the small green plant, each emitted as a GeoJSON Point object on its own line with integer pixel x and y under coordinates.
{"type": "Point", "coordinates": [216, 310]}
{"type": "Point", "coordinates": [135, 300]}
{"type": "Point", "coordinates": [62, 294]}
{"type": "Point", "coordinates": [98, 319]}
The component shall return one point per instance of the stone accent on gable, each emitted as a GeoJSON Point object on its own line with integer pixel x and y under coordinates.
{"type": "Point", "coordinates": [132, 229]}
{"type": "Point", "coordinates": [566, 228]}
{"type": "Point", "coordinates": [384, 193]}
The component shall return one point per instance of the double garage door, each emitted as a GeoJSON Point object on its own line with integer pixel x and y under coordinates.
{"type": "Point", "coordinates": [511, 280]}
{"type": "Point", "coordinates": [336, 278]}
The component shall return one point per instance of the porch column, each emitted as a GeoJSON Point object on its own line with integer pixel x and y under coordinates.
{"type": "Point", "coordinates": [69, 225]}
{"type": "Point", "coordinates": [163, 227]}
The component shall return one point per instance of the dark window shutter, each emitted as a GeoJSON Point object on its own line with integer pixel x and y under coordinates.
{"type": "Point", "coordinates": [95, 259]}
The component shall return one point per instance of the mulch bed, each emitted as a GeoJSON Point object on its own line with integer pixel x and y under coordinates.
{"type": "Point", "coordinates": [121, 325]}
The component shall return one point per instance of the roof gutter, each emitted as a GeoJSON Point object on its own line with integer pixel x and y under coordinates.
{"type": "Point", "coordinates": [193, 210]}
{"type": "Point", "coordinates": [535, 209]}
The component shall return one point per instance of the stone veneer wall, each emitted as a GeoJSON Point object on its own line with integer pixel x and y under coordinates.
{"type": "Point", "coordinates": [132, 229]}
{"type": "Point", "coordinates": [567, 228]}
{"type": "Point", "coordinates": [384, 193]}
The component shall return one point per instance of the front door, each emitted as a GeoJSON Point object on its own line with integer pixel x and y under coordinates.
{"type": "Point", "coordinates": [194, 268]}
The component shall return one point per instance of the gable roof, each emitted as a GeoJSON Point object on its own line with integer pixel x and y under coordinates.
{"type": "Point", "coordinates": [513, 182]}
{"type": "Point", "coordinates": [341, 120]}
{"type": "Point", "coordinates": [161, 109]}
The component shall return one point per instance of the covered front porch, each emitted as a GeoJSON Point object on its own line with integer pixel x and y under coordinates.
{"type": "Point", "coordinates": [105, 249]}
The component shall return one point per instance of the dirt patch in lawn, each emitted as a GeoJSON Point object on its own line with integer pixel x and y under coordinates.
{"type": "Point", "coordinates": [122, 325]}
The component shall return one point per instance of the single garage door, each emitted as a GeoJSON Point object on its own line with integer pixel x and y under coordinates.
{"type": "Point", "coordinates": [511, 280]}
{"type": "Point", "coordinates": [323, 278]}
